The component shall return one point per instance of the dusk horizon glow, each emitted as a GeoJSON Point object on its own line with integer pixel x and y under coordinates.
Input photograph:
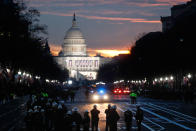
{"type": "Point", "coordinates": [55, 49]}
{"type": "Point", "coordinates": [106, 24]}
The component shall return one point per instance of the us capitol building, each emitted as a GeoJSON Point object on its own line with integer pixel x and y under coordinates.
{"type": "Point", "coordinates": [74, 57]}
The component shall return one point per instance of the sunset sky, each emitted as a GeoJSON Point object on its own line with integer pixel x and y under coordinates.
{"type": "Point", "coordinates": [109, 26]}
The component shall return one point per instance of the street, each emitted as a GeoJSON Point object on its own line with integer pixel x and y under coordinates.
{"type": "Point", "coordinates": [158, 114]}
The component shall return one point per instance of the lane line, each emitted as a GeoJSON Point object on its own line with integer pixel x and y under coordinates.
{"type": "Point", "coordinates": [142, 122]}
{"type": "Point", "coordinates": [190, 117]}
{"type": "Point", "coordinates": [148, 120]}
{"type": "Point", "coordinates": [170, 113]}
{"type": "Point", "coordinates": [170, 121]}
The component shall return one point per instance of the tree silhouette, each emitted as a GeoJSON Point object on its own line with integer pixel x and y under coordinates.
{"type": "Point", "coordinates": [21, 46]}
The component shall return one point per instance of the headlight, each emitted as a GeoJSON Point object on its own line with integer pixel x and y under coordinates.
{"type": "Point", "coordinates": [105, 97]}
{"type": "Point", "coordinates": [95, 97]}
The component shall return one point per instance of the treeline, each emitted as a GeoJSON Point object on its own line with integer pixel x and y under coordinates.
{"type": "Point", "coordinates": [158, 53]}
{"type": "Point", "coordinates": [21, 45]}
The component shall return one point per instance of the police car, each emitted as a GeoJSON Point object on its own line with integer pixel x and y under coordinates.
{"type": "Point", "coordinates": [100, 95]}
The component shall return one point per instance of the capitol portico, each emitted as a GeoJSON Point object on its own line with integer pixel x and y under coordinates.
{"type": "Point", "coordinates": [74, 56]}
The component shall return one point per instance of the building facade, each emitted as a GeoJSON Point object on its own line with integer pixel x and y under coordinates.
{"type": "Point", "coordinates": [74, 56]}
{"type": "Point", "coordinates": [176, 11]}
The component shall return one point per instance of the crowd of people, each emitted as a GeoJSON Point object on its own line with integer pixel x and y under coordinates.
{"type": "Point", "coordinates": [184, 91]}
{"type": "Point", "coordinates": [14, 85]}
{"type": "Point", "coordinates": [52, 114]}
{"type": "Point", "coordinates": [10, 87]}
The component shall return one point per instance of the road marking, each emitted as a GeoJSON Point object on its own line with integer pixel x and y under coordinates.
{"type": "Point", "coordinates": [89, 129]}
{"type": "Point", "coordinates": [151, 129]}
{"type": "Point", "coordinates": [172, 112]}
{"type": "Point", "coordinates": [170, 121]}
{"type": "Point", "coordinates": [146, 120]}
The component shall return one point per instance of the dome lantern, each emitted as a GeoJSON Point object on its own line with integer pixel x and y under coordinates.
{"type": "Point", "coordinates": [74, 20]}
{"type": "Point", "coordinates": [74, 42]}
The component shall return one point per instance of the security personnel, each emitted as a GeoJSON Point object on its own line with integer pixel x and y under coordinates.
{"type": "Point", "coordinates": [128, 119]}
{"type": "Point", "coordinates": [68, 119]}
{"type": "Point", "coordinates": [77, 118]}
{"type": "Point", "coordinates": [72, 95]}
{"type": "Point", "coordinates": [107, 112]}
{"type": "Point", "coordinates": [28, 120]}
{"type": "Point", "coordinates": [86, 121]}
{"type": "Point", "coordinates": [139, 117]}
{"type": "Point", "coordinates": [94, 118]}
{"type": "Point", "coordinates": [133, 97]}
{"type": "Point", "coordinates": [113, 118]}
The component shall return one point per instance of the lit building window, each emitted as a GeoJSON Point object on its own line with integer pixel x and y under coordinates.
{"type": "Point", "coordinates": [96, 63]}
{"type": "Point", "coordinates": [70, 63]}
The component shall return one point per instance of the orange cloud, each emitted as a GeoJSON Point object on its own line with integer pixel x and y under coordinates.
{"type": "Point", "coordinates": [134, 20]}
{"type": "Point", "coordinates": [172, 2]}
{"type": "Point", "coordinates": [112, 53]}
{"type": "Point", "coordinates": [107, 52]}
{"type": "Point", "coordinates": [55, 13]}
{"type": "Point", "coordinates": [55, 49]}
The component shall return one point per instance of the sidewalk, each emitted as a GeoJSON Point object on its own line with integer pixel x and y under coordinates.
{"type": "Point", "coordinates": [12, 113]}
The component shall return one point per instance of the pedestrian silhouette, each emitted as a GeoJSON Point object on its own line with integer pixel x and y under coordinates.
{"type": "Point", "coordinates": [128, 119]}
{"type": "Point", "coordinates": [139, 117]}
{"type": "Point", "coordinates": [107, 112]}
{"type": "Point", "coordinates": [113, 118]}
{"type": "Point", "coordinates": [94, 118]}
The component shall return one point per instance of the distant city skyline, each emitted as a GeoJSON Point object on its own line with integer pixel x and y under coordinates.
{"type": "Point", "coordinates": [106, 24]}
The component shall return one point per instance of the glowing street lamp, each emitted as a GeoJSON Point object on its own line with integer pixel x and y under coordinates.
{"type": "Point", "coordinates": [19, 72]}
{"type": "Point", "coordinates": [70, 82]}
{"type": "Point", "coordinates": [161, 79]}
{"type": "Point", "coordinates": [171, 78]}
{"type": "Point", "coordinates": [189, 76]}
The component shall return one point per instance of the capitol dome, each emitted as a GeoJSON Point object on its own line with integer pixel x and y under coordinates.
{"type": "Point", "coordinates": [74, 42]}
{"type": "Point", "coordinates": [74, 32]}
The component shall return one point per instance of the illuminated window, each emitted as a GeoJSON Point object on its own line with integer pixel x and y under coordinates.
{"type": "Point", "coordinates": [70, 63]}
{"type": "Point", "coordinates": [96, 63]}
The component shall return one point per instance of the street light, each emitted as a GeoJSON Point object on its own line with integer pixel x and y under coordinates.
{"type": "Point", "coordinates": [189, 76]}
{"type": "Point", "coordinates": [19, 72]}
{"type": "Point", "coordinates": [171, 78]}
{"type": "Point", "coordinates": [70, 82]}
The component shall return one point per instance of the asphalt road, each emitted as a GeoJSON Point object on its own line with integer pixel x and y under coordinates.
{"type": "Point", "coordinates": [159, 115]}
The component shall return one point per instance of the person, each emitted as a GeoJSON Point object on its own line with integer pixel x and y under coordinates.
{"type": "Point", "coordinates": [113, 118]}
{"type": "Point", "coordinates": [60, 118]}
{"type": "Point", "coordinates": [133, 97]}
{"type": "Point", "coordinates": [68, 121]}
{"type": "Point", "coordinates": [139, 117]}
{"type": "Point", "coordinates": [128, 119]}
{"type": "Point", "coordinates": [87, 93]}
{"type": "Point", "coordinates": [72, 95]}
{"type": "Point", "coordinates": [107, 112]}
{"type": "Point", "coordinates": [86, 121]}
{"type": "Point", "coordinates": [28, 120]}
{"type": "Point", "coordinates": [94, 118]}
{"type": "Point", "coordinates": [77, 118]}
